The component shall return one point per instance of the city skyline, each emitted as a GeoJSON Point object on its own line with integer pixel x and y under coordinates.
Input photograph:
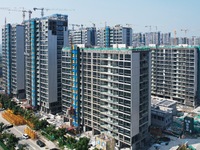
{"type": "Point", "coordinates": [166, 15]}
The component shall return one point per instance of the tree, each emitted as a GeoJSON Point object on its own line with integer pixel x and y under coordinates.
{"type": "Point", "coordinates": [60, 132]}
{"type": "Point", "coordinates": [11, 140]}
{"type": "Point", "coordinates": [82, 144]}
{"type": "Point", "coordinates": [71, 142]}
{"type": "Point", "coordinates": [40, 124]}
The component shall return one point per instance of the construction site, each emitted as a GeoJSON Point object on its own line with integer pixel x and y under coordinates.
{"type": "Point", "coordinates": [183, 129]}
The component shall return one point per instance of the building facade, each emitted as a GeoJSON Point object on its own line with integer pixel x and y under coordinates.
{"type": "Point", "coordinates": [114, 92]}
{"type": "Point", "coordinates": [85, 36]}
{"type": "Point", "coordinates": [118, 34]}
{"type": "Point", "coordinates": [13, 60]}
{"type": "Point", "coordinates": [45, 38]}
{"type": "Point", "coordinates": [175, 74]}
{"type": "Point", "coordinates": [145, 39]}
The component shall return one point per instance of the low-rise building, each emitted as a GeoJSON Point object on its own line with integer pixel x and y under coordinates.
{"type": "Point", "coordinates": [105, 142]}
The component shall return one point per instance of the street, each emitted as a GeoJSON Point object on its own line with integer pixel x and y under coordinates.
{"type": "Point", "coordinates": [19, 131]}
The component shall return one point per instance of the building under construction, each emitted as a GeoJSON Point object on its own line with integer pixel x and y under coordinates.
{"type": "Point", "coordinates": [112, 95]}
{"type": "Point", "coordinates": [175, 73]}
{"type": "Point", "coordinates": [45, 38]}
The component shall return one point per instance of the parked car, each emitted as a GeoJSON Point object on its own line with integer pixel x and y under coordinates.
{"type": "Point", "coordinates": [8, 126]}
{"type": "Point", "coordinates": [25, 136]}
{"type": "Point", "coordinates": [40, 143]}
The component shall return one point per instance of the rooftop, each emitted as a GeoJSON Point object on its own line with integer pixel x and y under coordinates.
{"type": "Point", "coordinates": [111, 49]}
{"type": "Point", "coordinates": [105, 137]}
{"type": "Point", "coordinates": [162, 102]}
{"type": "Point", "coordinates": [180, 46]}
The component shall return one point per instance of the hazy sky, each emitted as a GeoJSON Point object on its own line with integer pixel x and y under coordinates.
{"type": "Point", "coordinates": [167, 15]}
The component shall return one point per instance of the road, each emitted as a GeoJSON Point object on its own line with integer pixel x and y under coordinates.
{"type": "Point", "coordinates": [19, 130]}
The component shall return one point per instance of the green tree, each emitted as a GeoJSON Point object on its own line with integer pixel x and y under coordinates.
{"type": "Point", "coordinates": [60, 132]}
{"type": "Point", "coordinates": [11, 140]}
{"type": "Point", "coordinates": [40, 124]}
{"type": "Point", "coordinates": [71, 142]}
{"type": "Point", "coordinates": [82, 144]}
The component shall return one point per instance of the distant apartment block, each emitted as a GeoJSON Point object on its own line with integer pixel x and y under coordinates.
{"type": "Point", "coordinates": [152, 38]}
{"type": "Point", "coordinates": [138, 40]}
{"type": "Point", "coordinates": [175, 74]}
{"type": "Point", "coordinates": [145, 39]}
{"type": "Point", "coordinates": [86, 36]}
{"type": "Point", "coordinates": [118, 34]}
{"type": "Point", "coordinates": [165, 39]}
{"type": "Point", "coordinates": [109, 90]}
{"type": "Point", "coordinates": [13, 60]}
{"type": "Point", "coordinates": [45, 38]}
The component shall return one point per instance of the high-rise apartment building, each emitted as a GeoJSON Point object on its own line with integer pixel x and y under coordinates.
{"type": "Point", "coordinates": [108, 90]}
{"type": "Point", "coordinates": [165, 39]}
{"type": "Point", "coordinates": [138, 40]}
{"type": "Point", "coordinates": [45, 38]}
{"type": "Point", "coordinates": [13, 59]}
{"type": "Point", "coordinates": [144, 39]}
{"type": "Point", "coordinates": [85, 36]}
{"type": "Point", "coordinates": [175, 74]}
{"type": "Point", "coordinates": [118, 34]}
{"type": "Point", "coordinates": [152, 38]}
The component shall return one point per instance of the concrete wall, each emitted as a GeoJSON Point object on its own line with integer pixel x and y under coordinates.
{"type": "Point", "coordinates": [135, 92]}
{"type": "Point", "coordinates": [52, 67]}
{"type": "Point", "coordinates": [149, 89]}
{"type": "Point", "coordinates": [20, 57]}
{"type": "Point", "coordinates": [158, 122]}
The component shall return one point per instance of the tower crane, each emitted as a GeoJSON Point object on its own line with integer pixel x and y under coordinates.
{"type": "Point", "coordinates": [175, 37]}
{"type": "Point", "coordinates": [49, 9]}
{"type": "Point", "coordinates": [185, 30]}
{"type": "Point", "coordinates": [42, 11]}
{"type": "Point", "coordinates": [73, 25]}
{"type": "Point", "coordinates": [26, 11]}
{"type": "Point", "coordinates": [18, 10]}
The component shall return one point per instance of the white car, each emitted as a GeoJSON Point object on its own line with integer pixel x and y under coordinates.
{"type": "Point", "coordinates": [25, 136]}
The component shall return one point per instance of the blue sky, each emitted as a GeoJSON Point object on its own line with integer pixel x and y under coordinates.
{"type": "Point", "coordinates": [167, 15]}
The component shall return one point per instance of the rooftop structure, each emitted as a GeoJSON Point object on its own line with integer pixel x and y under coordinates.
{"type": "Point", "coordinates": [105, 142]}
{"type": "Point", "coordinates": [164, 104]}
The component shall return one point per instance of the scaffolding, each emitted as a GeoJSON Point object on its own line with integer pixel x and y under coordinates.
{"type": "Point", "coordinates": [31, 133]}
{"type": "Point", "coordinates": [73, 110]}
{"type": "Point", "coordinates": [12, 118]}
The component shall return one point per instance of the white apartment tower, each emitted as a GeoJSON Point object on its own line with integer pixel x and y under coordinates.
{"type": "Point", "coordinates": [118, 34]}
{"type": "Point", "coordinates": [112, 93]}
{"type": "Point", "coordinates": [13, 60]}
{"type": "Point", "coordinates": [45, 38]}
{"type": "Point", "coordinates": [86, 36]}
